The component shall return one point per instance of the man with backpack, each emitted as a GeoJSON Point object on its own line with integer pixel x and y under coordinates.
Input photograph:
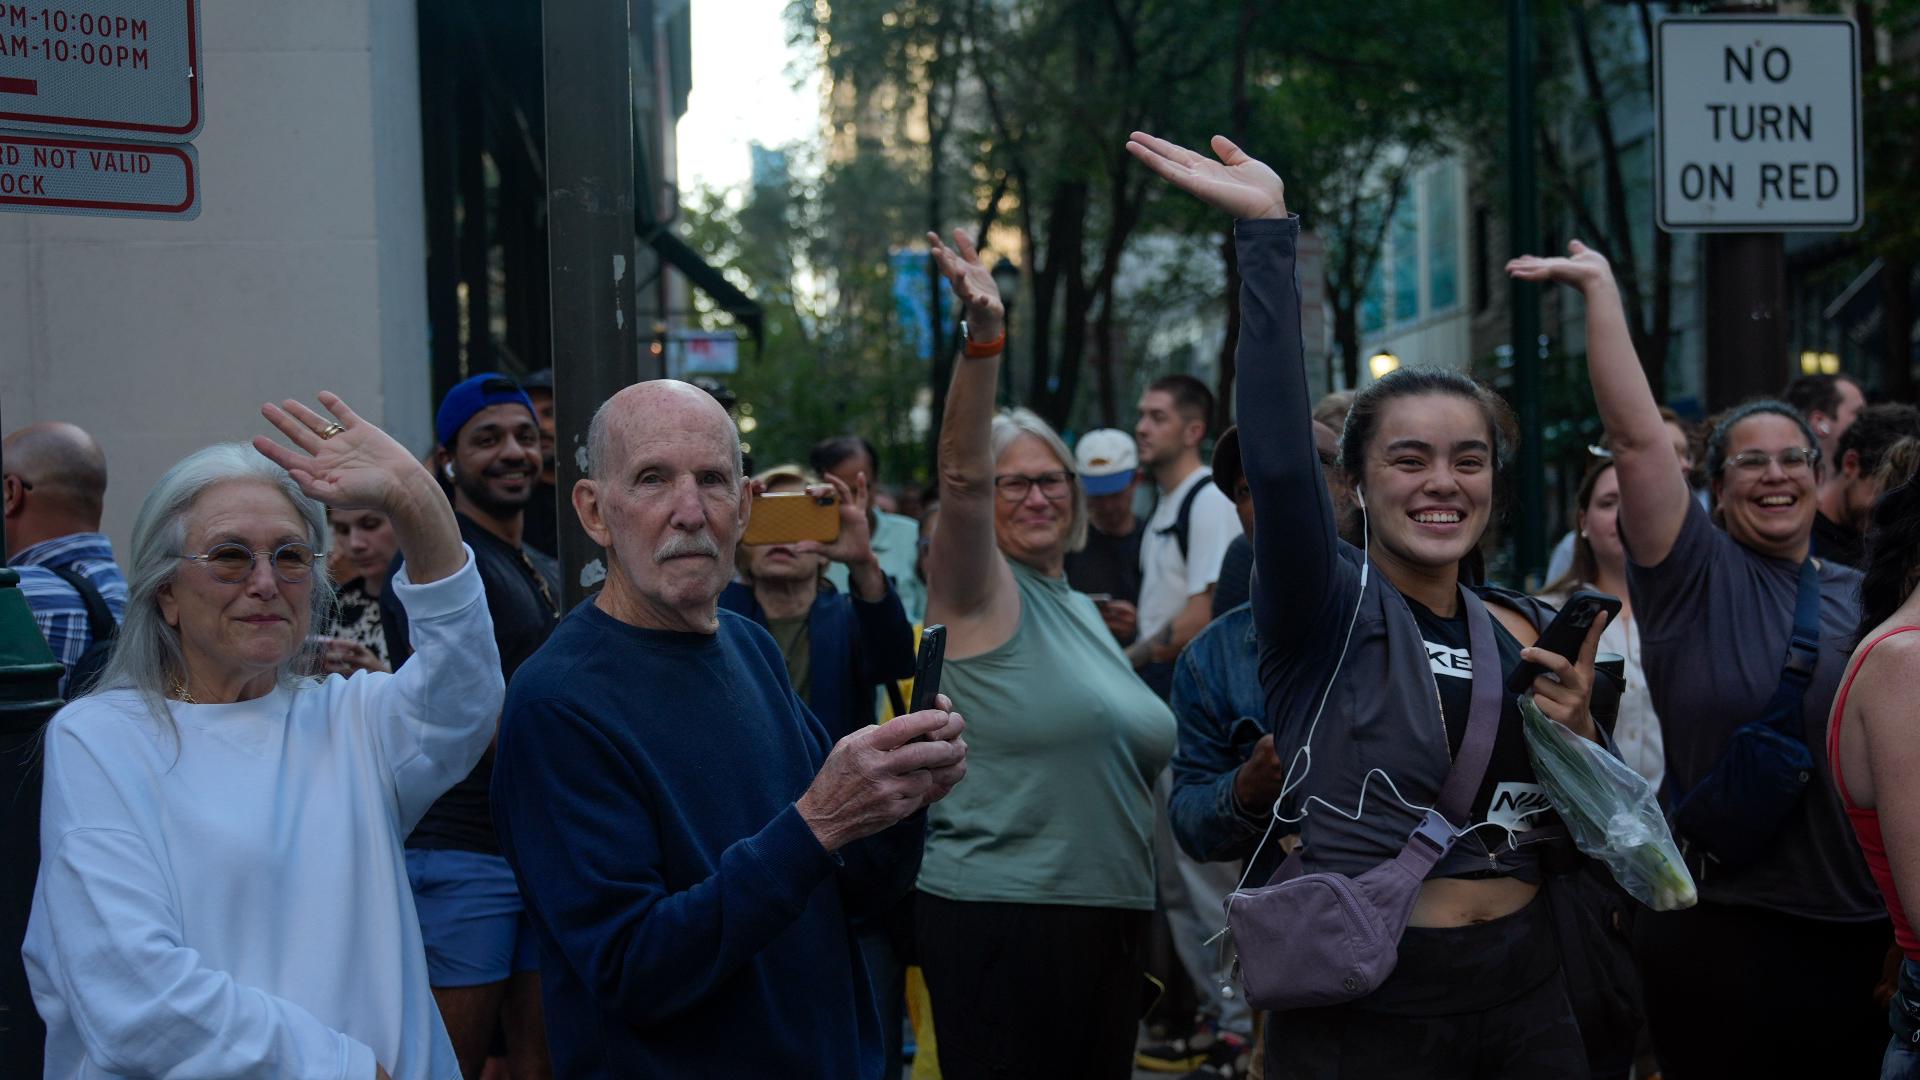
{"type": "Point", "coordinates": [55, 479]}
{"type": "Point", "coordinates": [1188, 533]}
{"type": "Point", "coordinates": [1180, 556]}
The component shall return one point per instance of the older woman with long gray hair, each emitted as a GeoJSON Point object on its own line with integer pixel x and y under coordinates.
{"type": "Point", "coordinates": [1037, 885]}
{"type": "Point", "coordinates": [222, 891]}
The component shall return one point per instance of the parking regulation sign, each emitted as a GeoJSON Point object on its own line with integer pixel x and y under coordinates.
{"type": "Point", "coordinates": [57, 174]}
{"type": "Point", "coordinates": [108, 68]}
{"type": "Point", "coordinates": [1758, 124]}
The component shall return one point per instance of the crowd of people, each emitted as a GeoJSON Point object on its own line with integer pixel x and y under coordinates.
{"type": "Point", "coordinates": [343, 791]}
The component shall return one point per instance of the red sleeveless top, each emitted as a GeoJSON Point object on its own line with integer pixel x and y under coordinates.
{"type": "Point", "coordinates": [1866, 823]}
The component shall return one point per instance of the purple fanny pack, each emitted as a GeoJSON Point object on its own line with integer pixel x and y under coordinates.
{"type": "Point", "coordinates": [1307, 940]}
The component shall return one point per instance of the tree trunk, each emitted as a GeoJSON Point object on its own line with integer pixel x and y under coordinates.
{"type": "Point", "coordinates": [1240, 114]}
{"type": "Point", "coordinates": [1105, 392]}
{"type": "Point", "coordinates": [1346, 337]}
{"type": "Point", "coordinates": [1230, 343]}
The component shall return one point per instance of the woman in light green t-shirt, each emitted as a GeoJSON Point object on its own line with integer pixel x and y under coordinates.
{"type": "Point", "coordinates": [1037, 884]}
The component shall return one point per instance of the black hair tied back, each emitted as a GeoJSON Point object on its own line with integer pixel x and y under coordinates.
{"type": "Point", "coordinates": [1893, 538]}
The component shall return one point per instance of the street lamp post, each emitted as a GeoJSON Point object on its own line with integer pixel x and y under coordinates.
{"type": "Point", "coordinates": [1524, 296]}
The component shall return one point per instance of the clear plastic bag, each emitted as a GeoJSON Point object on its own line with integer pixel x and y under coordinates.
{"type": "Point", "coordinates": [1611, 811]}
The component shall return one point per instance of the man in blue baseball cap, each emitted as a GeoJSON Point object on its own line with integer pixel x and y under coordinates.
{"type": "Point", "coordinates": [481, 956]}
{"type": "Point", "coordinates": [1108, 568]}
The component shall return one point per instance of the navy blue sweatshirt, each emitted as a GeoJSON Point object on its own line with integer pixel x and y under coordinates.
{"type": "Point", "coordinates": [689, 923]}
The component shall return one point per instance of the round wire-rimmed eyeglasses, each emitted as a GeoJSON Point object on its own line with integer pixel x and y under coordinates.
{"type": "Point", "coordinates": [231, 564]}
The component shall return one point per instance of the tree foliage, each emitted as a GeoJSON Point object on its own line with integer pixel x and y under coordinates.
{"type": "Point", "coordinates": [836, 359]}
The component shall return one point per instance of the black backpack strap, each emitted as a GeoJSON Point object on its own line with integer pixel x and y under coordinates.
{"type": "Point", "coordinates": [1803, 651]}
{"type": "Point", "coordinates": [100, 623]}
{"type": "Point", "coordinates": [1183, 519]}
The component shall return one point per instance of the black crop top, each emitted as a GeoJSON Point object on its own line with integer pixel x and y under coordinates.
{"type": "Point", "coordinates": [1509, 794]}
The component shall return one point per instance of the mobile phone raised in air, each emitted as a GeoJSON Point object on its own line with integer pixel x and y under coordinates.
{"type": "Point", "coordinates": [788, 517]}
{"type": "Point", "coordinates": [926, 671]}
{"type": "Point", "coordinates": [1566, 633]}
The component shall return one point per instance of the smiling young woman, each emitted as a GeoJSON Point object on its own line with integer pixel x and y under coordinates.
{"type": "Point", "coordinates": [1375, 643]}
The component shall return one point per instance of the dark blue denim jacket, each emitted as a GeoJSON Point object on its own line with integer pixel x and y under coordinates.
{"type": "Point", "coordinates": [1222, 712]}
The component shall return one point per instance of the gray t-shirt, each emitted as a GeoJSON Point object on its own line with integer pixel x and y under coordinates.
{"type": "Point", "coordinates": [1714, 620]}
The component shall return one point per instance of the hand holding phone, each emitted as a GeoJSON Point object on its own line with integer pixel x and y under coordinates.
{"type": "Point", "coordinates": [1566, 634]}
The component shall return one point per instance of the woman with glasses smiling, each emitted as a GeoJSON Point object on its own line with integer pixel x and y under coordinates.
{"type": "Point", "coordinates": [1037, 884]}
{"type": "Point", "coordinates": [1773, 973]}
{"type": "Point", "coordinates": [222, 890]}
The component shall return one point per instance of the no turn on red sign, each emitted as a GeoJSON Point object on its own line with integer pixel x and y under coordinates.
{"type": "Point", "coordinates": [1758, 124]}
{"type": "Point", "coordinates": [79, 81]}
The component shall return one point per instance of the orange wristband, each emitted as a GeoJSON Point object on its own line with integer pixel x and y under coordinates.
{"type": "Point", "coordinates": [981, 350]}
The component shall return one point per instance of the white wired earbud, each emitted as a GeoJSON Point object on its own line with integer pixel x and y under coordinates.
{"type": "Point", "coordinates": [1360, 497]}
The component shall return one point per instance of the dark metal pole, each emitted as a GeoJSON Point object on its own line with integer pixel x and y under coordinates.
{"type": "Point", "coordinates": [1746, 317]}
{"type": "Point", "coordinates": [29, 681]}
{"type": "Point", "coordinates": [1746, 312]}
{"type": "Point", "coordinates": [1523, 238]}
{"type": "Point", "coordinates": [590, 242]}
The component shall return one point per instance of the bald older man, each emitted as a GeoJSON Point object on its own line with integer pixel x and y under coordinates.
{"type": "Point", "coordinates": [55, 479]}
{"type": "Point", "coordinates": [690, 844]}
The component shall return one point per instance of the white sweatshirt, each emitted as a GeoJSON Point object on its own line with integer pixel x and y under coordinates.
{"type": "Point", "coordinates": [236, 904]}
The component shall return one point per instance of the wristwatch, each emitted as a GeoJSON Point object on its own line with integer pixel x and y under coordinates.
{"type": "Point", "coordinates": [982, 350]}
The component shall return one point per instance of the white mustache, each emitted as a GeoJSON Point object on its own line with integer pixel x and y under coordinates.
{"type": "Point", "coordinates": [681, 544]}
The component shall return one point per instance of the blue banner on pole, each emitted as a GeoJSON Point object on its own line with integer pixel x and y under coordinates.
{"type": "Point", "coordinates": [912, 302]}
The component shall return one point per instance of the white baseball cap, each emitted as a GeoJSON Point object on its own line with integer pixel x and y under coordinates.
{"type": "Point", "coordinates": [1106, 459]}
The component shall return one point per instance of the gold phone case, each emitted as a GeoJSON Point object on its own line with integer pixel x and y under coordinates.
{"type": "Point", "coordinates": [788, 517]}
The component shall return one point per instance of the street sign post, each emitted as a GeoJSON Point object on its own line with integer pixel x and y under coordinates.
{"type": "Point", "coordinates": [51, 174]}
{"type": "Point", "coordinates": [111, 68]}
{"type": "Point", "coordinates": [1758, 124]}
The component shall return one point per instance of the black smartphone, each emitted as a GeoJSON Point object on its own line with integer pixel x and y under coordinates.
{"type": "Point", "coordinates": [926, 672]}
{"type": "Point", "coordinates": [1566, 633]}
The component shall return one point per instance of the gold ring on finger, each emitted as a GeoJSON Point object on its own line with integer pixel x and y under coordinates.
{"type": "Point", "coordinates": [332, 429]}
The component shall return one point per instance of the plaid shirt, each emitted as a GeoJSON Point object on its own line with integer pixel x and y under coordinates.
{"type": "Point", "coordinates": [56, 605]}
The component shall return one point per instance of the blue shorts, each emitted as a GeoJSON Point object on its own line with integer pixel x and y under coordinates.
{"type": "Point", "coordinates": [471, 917]}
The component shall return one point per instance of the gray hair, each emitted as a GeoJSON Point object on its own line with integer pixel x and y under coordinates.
{"type": "Point", "coordinates": [1009, 426]}
{"type": "Point", "coordinates": [600, 444]}
{"type": "Point", "coordinates": [146, 655]}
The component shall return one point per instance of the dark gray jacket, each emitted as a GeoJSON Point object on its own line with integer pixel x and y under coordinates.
{"type": "Point", "coordinates": [1384, 709]}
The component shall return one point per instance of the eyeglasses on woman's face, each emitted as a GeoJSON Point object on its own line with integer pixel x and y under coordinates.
{"type": "Point", "coordinates": [232, 563]}
{"type": "Point", "coordinates": [1015, 487]}
{"type": "Point", "coordinates": [1792, 460]}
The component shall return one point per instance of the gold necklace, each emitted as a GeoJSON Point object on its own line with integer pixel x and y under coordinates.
{"type": "Point", "coordinates": [180, 691]}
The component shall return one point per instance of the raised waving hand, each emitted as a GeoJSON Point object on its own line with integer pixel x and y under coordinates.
{"type": "Point", "coordinates": [1236, 183]}
{"type": "Point", "coordinates": [348, 462]}
{"type": "Point", "coordinates": [973, 283]}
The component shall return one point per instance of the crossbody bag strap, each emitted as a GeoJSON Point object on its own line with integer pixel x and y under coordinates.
{"type": "Point", "coordinates": [1803, 651]}
{"type": "Point", "coordinates": [1449, 813]}
{"type": "Point", "coordinates": [1483, 720]}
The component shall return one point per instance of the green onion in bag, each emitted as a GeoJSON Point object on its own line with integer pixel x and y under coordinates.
{"type": "Point", "coordinates": [1611, 811]}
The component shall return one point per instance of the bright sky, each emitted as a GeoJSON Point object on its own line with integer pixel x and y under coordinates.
{"type": "Point", "coordinates": [743, 91]}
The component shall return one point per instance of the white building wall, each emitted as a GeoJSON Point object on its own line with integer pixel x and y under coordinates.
{"type": "Point", "coordinates": [305, 271]}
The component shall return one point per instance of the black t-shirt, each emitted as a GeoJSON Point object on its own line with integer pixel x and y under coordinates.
{"type": "Point", "coordinates": [540, 523]}
{"type": "Point", "coordinates": [1509, 791]}
{"type": "Point", "coordinates": [1832, 540]}
{"type": "Point", "coordinates": [1109, 564]}
{"type": "Point", "coordinates": [523, 615]}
